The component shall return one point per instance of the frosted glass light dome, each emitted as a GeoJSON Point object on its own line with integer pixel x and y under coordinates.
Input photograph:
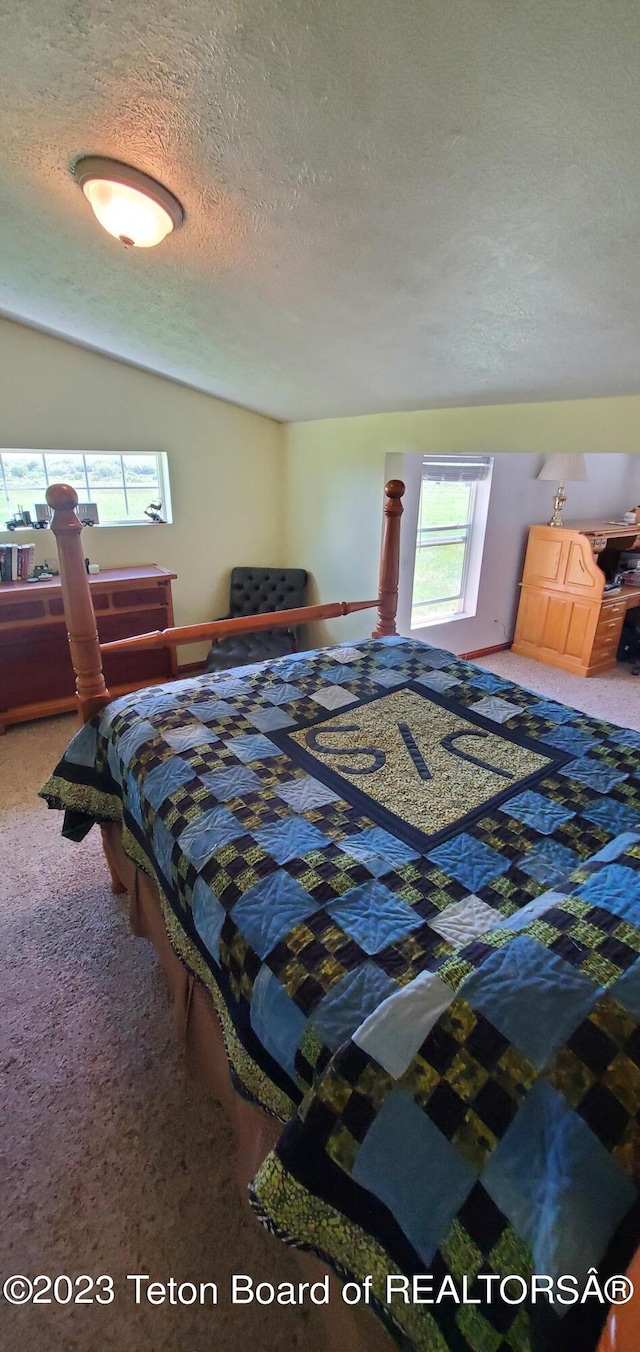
{"type": "Point", "coordinates": [128, 204]}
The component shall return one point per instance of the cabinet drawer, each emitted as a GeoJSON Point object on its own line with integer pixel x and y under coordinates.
{"type": "Point", "coordinates": [605, 648]}
{"type": "Point", "coordinates": [611, 608]}
{"type": "Point", "coordinates": [157, 595]}
{"type": "Point", "coordinates": [608, 628]}
{"type": "Point", "coordinates": [601, 661]}
{"type": "Point", "coordinates": [609, 637]}
{"type": "Point", "coordinates": [100, 601]}
{"type": "Point", "coordinates": [603, 655]}
{"type": "Point", "coordinates": [609, 624]}
{"type": "Point", "coordinates": [21, 610]}
{"type": "Point", "coordinates": [111, 627]}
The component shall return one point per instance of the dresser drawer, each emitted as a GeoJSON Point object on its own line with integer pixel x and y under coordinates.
{"type": "Point", "coordinates": [601, 658]}
{"type": "Point", "coordinates": [602, 655]}
{"type": "Point", "coordinates": [608, 626]}
{"type": "Point", "coordinates": [141, 597]}
{"type": "Point", "coordinates": [613, 608]}
{"type": "Point", "coordinates": [608, 638]}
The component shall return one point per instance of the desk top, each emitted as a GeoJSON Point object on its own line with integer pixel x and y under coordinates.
{"type": "Point", "coordinates": [113, 578]}
{"type": "Point", "coordinates": [613, 530]}
{"type": "Point", "coordinates": [627, 593]}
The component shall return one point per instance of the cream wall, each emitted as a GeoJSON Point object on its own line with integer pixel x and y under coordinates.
{"type": "Point", "coordinates": [335, 472]}
{"type": "Point", "coordinates": [246, 490]}
{"type": "Point", "coordinates": [225, 464]}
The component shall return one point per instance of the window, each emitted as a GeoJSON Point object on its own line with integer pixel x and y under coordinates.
{"type": "Point", "coordinates": [120, 486]}
{"type": "Point", "coordinates": [452, 511]}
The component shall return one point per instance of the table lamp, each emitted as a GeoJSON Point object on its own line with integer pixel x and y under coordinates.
{"type": "Point", "coordinates": [562, 469]}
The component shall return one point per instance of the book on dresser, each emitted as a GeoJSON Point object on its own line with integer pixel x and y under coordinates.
{"type": "Point", "coordinates": [36, 676]}
{"type": "Point", "coordinates": [16, 562]}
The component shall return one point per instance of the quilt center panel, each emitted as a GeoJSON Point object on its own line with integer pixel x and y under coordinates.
{"type": "Point", "coordinates": [419, 759]}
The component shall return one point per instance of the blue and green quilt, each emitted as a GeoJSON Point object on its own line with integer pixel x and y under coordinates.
{"type": "Point", "coordinates": [413, 892]}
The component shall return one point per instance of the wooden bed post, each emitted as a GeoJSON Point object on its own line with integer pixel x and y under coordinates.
{"type": "Point", "coordinates": [390, 560]}
{"type": "Point", "coordinates": [86, 658]}
{"type": "Point", "coordinates": [91, 691]}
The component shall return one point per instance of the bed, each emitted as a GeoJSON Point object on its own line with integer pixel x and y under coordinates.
{"type": "Point", "coordinates": [398, 898]}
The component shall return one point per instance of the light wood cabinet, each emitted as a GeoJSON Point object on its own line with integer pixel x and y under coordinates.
{"type": "Point", "coordinates": [565, 617]}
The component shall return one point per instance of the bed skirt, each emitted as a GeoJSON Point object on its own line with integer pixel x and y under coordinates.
{"type": "Point", "coordinates": [199, 1030]}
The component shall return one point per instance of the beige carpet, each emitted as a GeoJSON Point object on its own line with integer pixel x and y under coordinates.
{"type": "Point", "coordinates": [112, 1161]}
{"type": "Point", "coordinates": [615, 695]}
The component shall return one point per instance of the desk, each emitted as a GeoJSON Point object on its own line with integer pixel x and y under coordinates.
{"type": "Point", "coordinates": [565, 617]}
{"type": "Point", "coordinates": [36, 676]}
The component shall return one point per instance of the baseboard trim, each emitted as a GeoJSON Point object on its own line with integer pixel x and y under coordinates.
{"type": "Point", "coordinates": [485, 652]}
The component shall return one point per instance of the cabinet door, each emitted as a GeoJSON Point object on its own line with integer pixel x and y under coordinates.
{"type": "Point", "coordinates": [34, 665]}
{"type": "Point", "coordinates": [557, 621]}
{"type": "Point", "coordinates": [557, 628]}
{"type": "Point", "coordinates": [135, 668]}
{"type": "Point", "coordinates": [532, 613]}
{"type": "Point", "coordinates": [579, 638]}
{"type": "Point", "coordinates": [561, 560]}
{"type": "Point", "coordinates": [546, 559]}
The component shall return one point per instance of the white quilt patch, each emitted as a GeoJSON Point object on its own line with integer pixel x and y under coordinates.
{"type": "Point", "coordinates": [395, 1031]}
{"type": "Point", "coordinates": [333, 697]}
{"type": "Point", "coordinates": [465, 920]}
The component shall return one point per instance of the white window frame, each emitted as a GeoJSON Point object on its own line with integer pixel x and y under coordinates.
{"type": "Point", "coordinates": [409, 466]}
{"type": "Point", "coordinates": [85, 494]}
{"type": "Point", "coordinates": [462, 533]}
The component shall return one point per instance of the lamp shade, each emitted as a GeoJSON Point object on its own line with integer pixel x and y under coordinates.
{"type": "Point", "coordinates": [128, 204]}
{"type": "Point", "coordinates": [564, 469]}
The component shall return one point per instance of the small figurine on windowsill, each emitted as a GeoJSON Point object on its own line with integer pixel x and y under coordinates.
{"type": "Point", "coordinates": [153, 512]}
{"type": "Point", "coordinates": [43, 572]}
{"type": "Point", "coordinates": [19, 520]}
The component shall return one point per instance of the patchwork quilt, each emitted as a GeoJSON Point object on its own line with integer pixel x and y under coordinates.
{"type": "Point", "coordinates": [413, 892]}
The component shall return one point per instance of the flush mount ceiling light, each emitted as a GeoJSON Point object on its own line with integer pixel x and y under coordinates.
{"type": "Point", "coordinates": [130, 205]}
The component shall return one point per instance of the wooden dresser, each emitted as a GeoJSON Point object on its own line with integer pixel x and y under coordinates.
{"type": "Point", "coordinates": [565, 617]}
{"type": "Point", "coordinates": [36, 677]}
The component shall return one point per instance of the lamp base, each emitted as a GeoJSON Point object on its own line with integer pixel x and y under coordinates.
{"type": "Point", "coordinates": [558, 503]}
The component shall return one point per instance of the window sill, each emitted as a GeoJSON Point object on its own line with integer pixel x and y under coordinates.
{"type": "Point", "coordinates": [118, 525]}
{"type": "Point", "coordinates": [442, 619]}
{"type": "Point", "coordinates": [14, 536]}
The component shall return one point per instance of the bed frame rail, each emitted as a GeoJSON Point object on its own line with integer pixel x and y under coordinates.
{"type": "Point", "coordinates": [86, 649]}
{"type": "Point", "coordinates": [245, 624]}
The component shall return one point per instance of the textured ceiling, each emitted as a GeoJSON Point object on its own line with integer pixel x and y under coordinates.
{"type": "Point", "coordinates": [390, 204]}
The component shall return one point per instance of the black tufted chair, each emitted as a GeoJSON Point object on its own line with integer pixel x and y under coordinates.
{"type": "Point", "coordinates": [258, 591]}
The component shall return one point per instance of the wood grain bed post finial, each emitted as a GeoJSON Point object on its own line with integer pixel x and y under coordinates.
{"type": "Point", "coordinates": [78, 607]}
{"type": "Point", "coordinates": [389, 560]}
